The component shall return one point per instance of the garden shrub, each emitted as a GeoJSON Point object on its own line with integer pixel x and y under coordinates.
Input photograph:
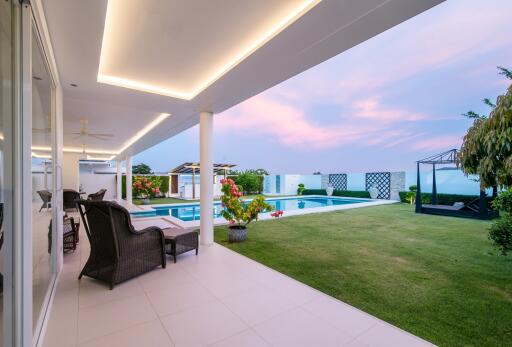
{"type": "Point", "coordinates": [314, 192]}
{"type": "Point", "coordinates": [501, 234]}
{"type": "Point", "coordinates": [249, 182]}
{"type": "Point", "coordinates": [164, 184]}
{"type": "Point", "coordinates": [501, 230]}
{"type": "Point", "coordinates": [352, 193]}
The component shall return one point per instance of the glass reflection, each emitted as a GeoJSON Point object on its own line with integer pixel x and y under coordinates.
{"type": "Point", "coordinates": [42, 94]}
{"type": "Point", "coordinates": [5, 113]}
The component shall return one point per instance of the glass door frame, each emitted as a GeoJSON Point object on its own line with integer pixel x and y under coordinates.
{"type": "Point", "coordinates": [18, 279]}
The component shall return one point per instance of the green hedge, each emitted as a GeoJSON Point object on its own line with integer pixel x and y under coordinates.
{"type": "Point", "coordinates": [352, 193]}
{"type": "Point", "coordinates": [443, 199]}
{"type": "Point", "coordinates": [258, 187]}
{"type": "Point", "coordinates": [164, 188]}
{"type": "Point", "coordinates": [346, 193]}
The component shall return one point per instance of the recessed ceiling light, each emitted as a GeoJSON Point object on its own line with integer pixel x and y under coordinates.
{"type": "Point", "coordinates": [73, 85]}
{"type": "Point", "coordinates": [109, 46]}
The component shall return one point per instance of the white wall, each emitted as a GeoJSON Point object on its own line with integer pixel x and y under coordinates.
{"type": "Point", "coordinates": [95, 177]}
{"type": "Point", "coordinates": [290, 183]}
{"type": "Point", "coordinates": [71, 171]}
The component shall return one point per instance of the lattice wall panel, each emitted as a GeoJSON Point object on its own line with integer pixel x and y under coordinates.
{"type": "Point", "coordinates": [338, 181]}
{"type": "Point", "coordinates": [383, 182]}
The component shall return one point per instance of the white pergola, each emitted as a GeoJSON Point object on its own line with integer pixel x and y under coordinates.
{"type": "Point", "coordinates": [145, 71]}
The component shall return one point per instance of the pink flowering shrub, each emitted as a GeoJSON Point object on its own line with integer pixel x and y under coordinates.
{"type": "Point", "coordinates": [146, 187]}
{"type": "Point", "coordinates": [236, 211]}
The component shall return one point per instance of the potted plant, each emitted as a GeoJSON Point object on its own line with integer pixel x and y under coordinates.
{"type": "Point", "coordinates": [238, 213]}
{"type": "Point", "coordinates": [145, 188]}
{"type": "Point", "coordinates": [301, 189]}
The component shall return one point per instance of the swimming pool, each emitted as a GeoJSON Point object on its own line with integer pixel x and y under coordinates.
{"type": "Point", "coordinates": [190, 212]}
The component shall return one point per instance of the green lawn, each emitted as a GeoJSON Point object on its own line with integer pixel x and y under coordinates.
{"type": "Point", "coordinates": [436, 277]}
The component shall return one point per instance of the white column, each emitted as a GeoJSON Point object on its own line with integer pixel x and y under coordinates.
{"type": "Point", "coordinates": [206, 167]}
{"type": "Point", "coordinates": [129, 180]}
{"type": "Point", "coordinates": [119, 188]}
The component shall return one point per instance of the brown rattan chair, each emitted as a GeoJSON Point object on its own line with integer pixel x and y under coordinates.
{"type": "Point", "coordinates": [118, 251]}
{"type": "Point", "coordinates": [98, 196]}
{"type": "Point", "coordinates": [46, 196]}
{"type": "Point", "coordinates": [69, 197]}
{"type": "Point", "coordinates": [70, 235]}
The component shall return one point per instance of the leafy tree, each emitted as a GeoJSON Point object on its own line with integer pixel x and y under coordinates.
{"type": "Point", "coordinates": [487, 152]}
{"type": "Point", "coordinates": [487, 147]}
{"type": "Point", "coordinates": [141, 169]}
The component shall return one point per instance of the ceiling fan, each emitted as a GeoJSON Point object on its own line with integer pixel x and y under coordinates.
{"type": "Point", "coordinates": [84, 132]}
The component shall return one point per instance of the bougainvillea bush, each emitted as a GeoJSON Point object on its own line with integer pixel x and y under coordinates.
{"type": "Point", "coordinates": [146, 187]}
{"type": "Point", "coordinates": [236, 211]}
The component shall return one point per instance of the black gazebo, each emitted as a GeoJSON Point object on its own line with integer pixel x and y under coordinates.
{"type": "Point", "coordinates": [477, 208]}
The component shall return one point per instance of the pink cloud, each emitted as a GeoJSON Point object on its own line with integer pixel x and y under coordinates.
{"type": "Point", "coordinates": [438, 143]}
{"type": "Point", "coordinates": [283, 122]}
{"type": "Point", "coordinates": [372, 109]}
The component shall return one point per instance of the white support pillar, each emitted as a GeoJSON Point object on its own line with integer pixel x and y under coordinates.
{"type": "Point", "coordinates": [129, 179]}
{"type": "Point", "coordinates": [206, 168]}
{"type": "Point", "coordinates": [119, 188]}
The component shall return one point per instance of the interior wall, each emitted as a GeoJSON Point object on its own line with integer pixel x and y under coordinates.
{"type": "Point", "coordinates": [71, 171]}
{"type": "Point", "coordinates": [91, 182]}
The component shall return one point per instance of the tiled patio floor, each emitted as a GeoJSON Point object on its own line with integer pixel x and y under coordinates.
{"type": "Point", "coordinates": [218, 298]}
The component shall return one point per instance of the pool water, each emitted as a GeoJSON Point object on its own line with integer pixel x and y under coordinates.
{"type": "Point", "coordinates": [190, 212]}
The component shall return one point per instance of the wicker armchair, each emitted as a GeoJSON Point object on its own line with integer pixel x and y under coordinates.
{"type": "Point", "coordinates": [70, 235]}
{"type": "Point", "coordinates": [98, 196]}
{"type": "Point", "coordinates": [69, 197]}
{"type": "Point", "coordinates": [46, 196]}
{"type": "Point", "coordinates": [118, 251]}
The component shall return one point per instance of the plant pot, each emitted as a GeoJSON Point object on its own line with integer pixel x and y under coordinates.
{"type": "Point", "coordinates": [145, 201]}
{"type": "Point", "coordinates": [237, 233]}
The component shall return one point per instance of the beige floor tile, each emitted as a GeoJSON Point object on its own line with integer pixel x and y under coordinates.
{"type": "Point", "coordinates": [94, 292]}
{"type": "Point", "coordinates": [247, 338]}
{"type": "Point", "coordinates": [258, 304]}
{"type": "Point", "coordinates": [296, 328]}
{"type": "Point", "coordinates": [341, 315]}
{"type": "Point", "coordinates": [100, 320]}
{"type": "Point", "coordinates": [294, 290]}
{"type": "Point", "coordinates": [178, 297]}
{"type": "Point", "coordinates": [385, 335]}
{"type": "Point", "coordinates": [151, 334]}
{"type": "Point", "coordinates": [225, 284]}
{"type": "Point", "coordinates": [62, 328]}
{"type": "Point", "coordinates": [164, 278]}
{"type": "Point", "coordinates": [203, 325]}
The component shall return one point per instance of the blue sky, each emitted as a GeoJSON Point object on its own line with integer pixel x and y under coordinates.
{"type": "Point", "coordinates": [381, 105]}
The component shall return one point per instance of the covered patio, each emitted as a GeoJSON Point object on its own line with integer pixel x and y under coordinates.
{"type": "Point", "coordinates": [127, 76]}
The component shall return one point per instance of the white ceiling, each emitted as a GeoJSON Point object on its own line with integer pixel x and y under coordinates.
{"type": "Point", "coordinates": [175, 45]}
{"type": "Point", "coordinates": [195, 41]}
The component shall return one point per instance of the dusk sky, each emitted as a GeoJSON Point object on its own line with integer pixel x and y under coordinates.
{"type": "Point", "coordinates": [381, 105]}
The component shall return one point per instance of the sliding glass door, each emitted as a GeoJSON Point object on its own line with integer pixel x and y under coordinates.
{"type": "Point", "coordinates": [6, 111]}
{"type": "Point", "coordinates": [43, 95]}
{"type": "Point", "coordinates": [29, 247]}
